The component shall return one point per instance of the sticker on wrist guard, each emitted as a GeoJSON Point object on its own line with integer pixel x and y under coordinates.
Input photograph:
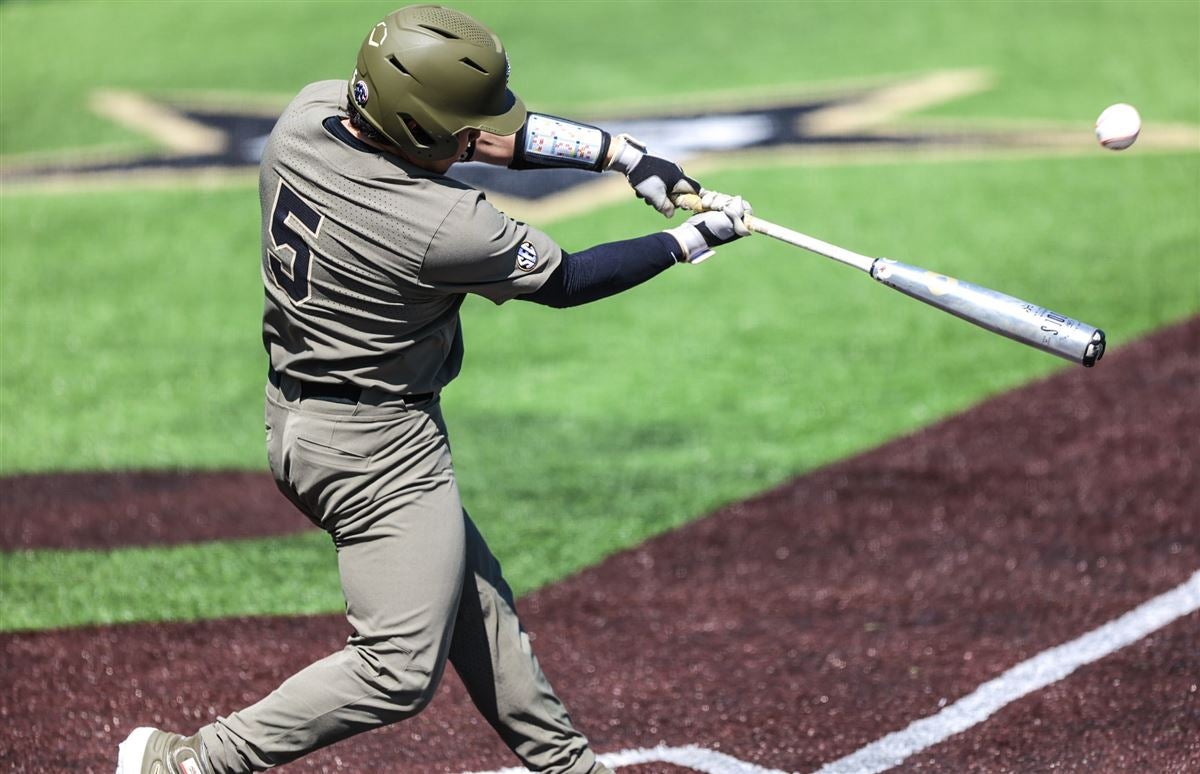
{"type": "Point", "coordinates": [564, 142]}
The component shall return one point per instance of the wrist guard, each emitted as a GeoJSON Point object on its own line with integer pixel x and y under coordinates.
{"type": "Point", "coordinates": [548, 142]}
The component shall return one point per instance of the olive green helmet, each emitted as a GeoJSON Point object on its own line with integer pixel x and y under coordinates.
{"type": "Point", "coordinates": [425, 73]}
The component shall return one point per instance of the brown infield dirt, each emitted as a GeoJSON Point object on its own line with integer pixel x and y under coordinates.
{"type": "Point", "coordinates": [787, 631]}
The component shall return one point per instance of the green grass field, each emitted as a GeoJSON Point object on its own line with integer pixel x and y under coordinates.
{"type": "Point", "coordinates": [129, 320]}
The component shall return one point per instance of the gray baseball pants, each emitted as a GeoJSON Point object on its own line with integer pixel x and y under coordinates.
{"type": "Point", "coordinates": [420, 585]}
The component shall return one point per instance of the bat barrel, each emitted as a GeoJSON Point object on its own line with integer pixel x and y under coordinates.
{"type": "Point", "coordinates": [1018, 320]}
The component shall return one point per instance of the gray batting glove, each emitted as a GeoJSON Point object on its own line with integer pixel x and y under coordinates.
{"type": "Point", "coordinates": [655, 180]}
{"type": "Point", "coordinates": [704, 231]}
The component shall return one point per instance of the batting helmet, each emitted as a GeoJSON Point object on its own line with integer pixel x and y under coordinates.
{"type": "Point", "coordinates": [425, 73]}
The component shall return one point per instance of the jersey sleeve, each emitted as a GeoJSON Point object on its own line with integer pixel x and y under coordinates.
{"type": "Point", "coordinates": [478, 249]}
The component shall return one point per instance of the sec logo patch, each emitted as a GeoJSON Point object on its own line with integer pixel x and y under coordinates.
{"type": "Point", "coordinates": [527, 257]}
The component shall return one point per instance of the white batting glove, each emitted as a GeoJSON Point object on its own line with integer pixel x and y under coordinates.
{"type": "Point", "coordinates": [721, 223]}
{"type": "Point", "coordinates": [735, 207]}
{"type": "Point", "coordinates": [654, 179]}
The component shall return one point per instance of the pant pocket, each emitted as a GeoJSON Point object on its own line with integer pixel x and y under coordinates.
{"type": "Point", "coordinates": [342, 446]}
{"type": "Point", "coordinates": [333, 455]}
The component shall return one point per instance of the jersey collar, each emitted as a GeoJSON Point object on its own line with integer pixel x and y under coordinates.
{"type": "Point", "coordinates": [333, 125]}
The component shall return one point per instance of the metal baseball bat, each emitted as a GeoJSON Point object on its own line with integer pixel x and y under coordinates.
{"type": "Point", "coordinates": [1019, 320]}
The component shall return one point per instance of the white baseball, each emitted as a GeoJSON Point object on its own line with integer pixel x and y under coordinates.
{"type": "Point", "coordinates": [1118, 126]}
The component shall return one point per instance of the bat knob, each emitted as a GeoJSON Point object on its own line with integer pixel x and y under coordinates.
{"type": "Point", "coordinates": [1094, 350]}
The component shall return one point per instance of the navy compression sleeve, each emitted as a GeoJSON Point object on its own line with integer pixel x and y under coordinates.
{"type": "Point", "coordinates": [605, 270]}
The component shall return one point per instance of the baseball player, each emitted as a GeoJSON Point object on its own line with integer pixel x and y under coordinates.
{"type": "Point", "coordinates": [368, 252]}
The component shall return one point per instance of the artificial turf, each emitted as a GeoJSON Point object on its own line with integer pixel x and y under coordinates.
{"type": "Point", "coordinates": [576, 433]}
{"type": "Point", "coordinates": [129, 320]}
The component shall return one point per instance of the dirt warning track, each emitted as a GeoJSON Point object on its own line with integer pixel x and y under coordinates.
{"type": "Point", "coordinates": [792, 630]}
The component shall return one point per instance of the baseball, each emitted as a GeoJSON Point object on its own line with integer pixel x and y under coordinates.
{"type": "Point", "coordinates": [1118, 126]}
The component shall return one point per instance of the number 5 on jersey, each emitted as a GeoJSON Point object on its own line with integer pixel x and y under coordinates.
{"type": "Point", "coordinates": [292, 276]}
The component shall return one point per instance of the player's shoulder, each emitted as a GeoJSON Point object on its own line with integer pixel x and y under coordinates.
{"type": "Point", "coordinates": [322, 98]}
{"type": "Point", "coordinates": [305, 131]}
{"type": "Point", "coordinates": [466, 205]}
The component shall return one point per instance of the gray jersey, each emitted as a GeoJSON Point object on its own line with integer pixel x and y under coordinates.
{"type": "Point", "coordinates": [366, 258]}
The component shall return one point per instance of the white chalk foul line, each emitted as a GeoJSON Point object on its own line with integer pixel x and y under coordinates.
{"type": "Point", "coordinates": [1047, 667]}
{"type": "Point", "coordinates": [691, 756]}
{"type": "Point", "coordinates": [1031, 675]}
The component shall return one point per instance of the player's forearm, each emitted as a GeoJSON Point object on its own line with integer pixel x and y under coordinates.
{"type": "Point", "coordinates": [607, 269]}
{"type": "Point", "coordinates": [549, 142]}
{"type": "Point", "coordinates": [523, 150]}
{"type": "Point", "coordinates": [494, 149]}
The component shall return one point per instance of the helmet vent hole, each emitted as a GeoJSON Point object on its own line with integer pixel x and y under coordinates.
{"type": "Point", "coordinates": [439, 31]}
{"type": "Point", "coordinates": [473, 65]}
{"type": "Point", "coordinates": [421, 137]}
{"type": "Point", "coordinates": [396, 63]}
{"type": "Point", "coordinates": [456, 26]}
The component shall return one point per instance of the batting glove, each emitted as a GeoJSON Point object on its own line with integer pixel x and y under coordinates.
{"type": "Point", "coordinates": [722, 222]}
{"type": "Point", "coordinates": [735, 207]}
{"type": "Point", "coordinates": [655, 180]}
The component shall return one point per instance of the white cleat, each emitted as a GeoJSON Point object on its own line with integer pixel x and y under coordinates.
{"type": "Point", "coordinates": [150, 751]}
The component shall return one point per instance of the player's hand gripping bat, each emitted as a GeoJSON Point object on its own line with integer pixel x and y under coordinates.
{"type": "Point", "coordinates": [1019, 320]}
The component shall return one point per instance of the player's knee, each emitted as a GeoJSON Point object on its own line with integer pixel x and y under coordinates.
{"type": "Point", "coordinates": [392, 669]}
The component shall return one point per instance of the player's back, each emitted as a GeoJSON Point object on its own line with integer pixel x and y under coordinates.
{"type": "Point", "coordinates": [344, 232]}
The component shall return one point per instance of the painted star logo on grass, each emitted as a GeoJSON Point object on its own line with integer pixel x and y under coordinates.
{"type": "Point", "coordinates": [207, 140]}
